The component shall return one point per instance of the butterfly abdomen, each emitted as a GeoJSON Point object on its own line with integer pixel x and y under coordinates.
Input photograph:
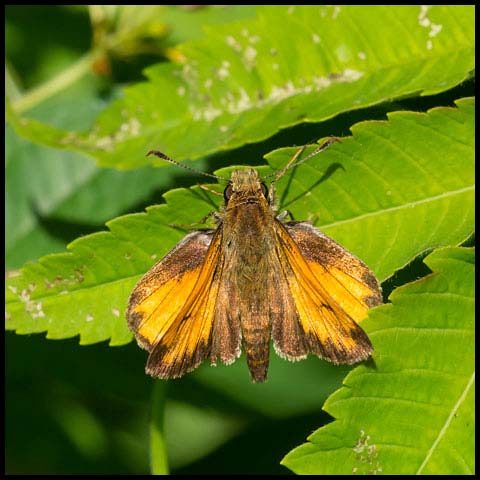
{"type": "Point", "coordinates": [256, 342]}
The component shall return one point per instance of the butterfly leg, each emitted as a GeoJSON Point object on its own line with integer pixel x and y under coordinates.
{"type": "Point", "coordinates": [215, 215]}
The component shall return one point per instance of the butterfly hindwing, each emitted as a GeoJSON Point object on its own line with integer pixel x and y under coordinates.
{"type": "Point", "coordinates": [330, 296]}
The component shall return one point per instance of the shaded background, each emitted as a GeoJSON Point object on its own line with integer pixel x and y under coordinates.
{"type": "Point", "coordinates": [72, 409]}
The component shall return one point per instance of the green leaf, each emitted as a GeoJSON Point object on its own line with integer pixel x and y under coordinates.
{"type": "Point", "coordinates": [188, 23]}
{"type": "Point", "coordinates": [244, 81]}
{"type": "Point", "coordinates": [411, 411]}
{"type": "Point", "coordinates": [388, 193]}
{"type": "Point", "coordinates": [52, 195]}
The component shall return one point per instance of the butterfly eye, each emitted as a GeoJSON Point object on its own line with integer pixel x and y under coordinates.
{"type": "Point", "coordinates": [227, 193]}
{"type": "Point", "coordinates": [264, 190]}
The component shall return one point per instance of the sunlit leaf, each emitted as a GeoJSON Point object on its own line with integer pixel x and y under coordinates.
{"type": "Point", "coordinates": [385, 201]}
{"type": "Point", "coordinates": [244, 81]}
{"type": "Point", "coordinates": [412, 410]}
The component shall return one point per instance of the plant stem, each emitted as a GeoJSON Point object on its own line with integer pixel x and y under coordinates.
{"type": "Point", "coordinates": [158, 447]}
{"type": "Point", "coordinates": [56, 84]}
{"type": "Point", "coordinates": [12, 87]}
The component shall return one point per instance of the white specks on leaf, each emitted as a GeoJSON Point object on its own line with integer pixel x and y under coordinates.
{"type": "Point", "coordinates": [243, 103]}
{"type": "Point", "coordinates": [224, 71]}
{"type": "Point", "coordinates": [181, 91]}
{"type": "Point", "coordinates": [89, 318]}
{"type": "Point", "coordinates": [435, 30]}
{"type": "Point", "coordinates": [33, 308]}
{"type": "Point", "coordinates": [425, 22]}
{"type": "Point", "coordinates": [223, 128]}
{"type": "Point", "coordinates": [362, 55]}
{"type": "Point", "coordinates": [335, 12]}
{"type": "Point", "coordinates": [24, 295]}
{"type": "Point", "coordinates": [104, 143]}
{"type": "Point", "coordinates": [315, 38]}
{"type": "Point", "coordinates": [250, 57]}
{"type": "Point", "coordinates": [190, 74]}
{"type": "Point", "coordinates": [128, 129]}
{"type": "Point", "coordinates": [321, 82]}
{"type": "Point", "coordinates": [210, 113]}
{"type": "Point", "coordinates": [349, 75]}
{"type": "Point", "coordinates": [12, 289]}
{"type": "Point", "coordinates": [154, 256]}
{"type": "Point", "coordinates": [115, 312]}
{"type": "Point", "coordinates": [135, 127]}
{"type": "Point", "coordinates": [366, 454]}
{"type": "Point", "coordinates": [232, 42]}
{"type": "Point", "coordinates": [69, 138]}
{"type": "Point", "coordinates": [39, 313]}
{"type": "Point", "coordinates": [275, 66]}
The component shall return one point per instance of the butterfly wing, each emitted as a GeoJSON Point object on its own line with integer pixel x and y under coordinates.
{"type": "Point", "coordinates": [332, 291]}
{"type": "Point", "coordinates": [171, 310]}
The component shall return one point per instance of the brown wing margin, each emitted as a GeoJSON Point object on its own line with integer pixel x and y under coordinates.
{"type": "Point", "coordinates": [329, 297]}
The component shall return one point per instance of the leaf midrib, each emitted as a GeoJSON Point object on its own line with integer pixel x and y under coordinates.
{"type": "Point", "coordinates": [447, 423]}
{"type": "Point", "coordinates": [269, 102]}
{"type": "Point", "coordinates": [400, 207]}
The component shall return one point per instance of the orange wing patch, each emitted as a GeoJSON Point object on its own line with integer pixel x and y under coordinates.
{"type": "Point", "coordinates": [171, 308]}
{"type": "Point", "coordinates": [159, 310]}
{"type": "Point", "coordinates": [187, 342]}
{"type": "Point", "coordinates": [347, 291]}
{"type": "Point", "coordinates": [328, 301]}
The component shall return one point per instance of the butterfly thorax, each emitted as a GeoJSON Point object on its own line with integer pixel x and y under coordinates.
{"type": "Point", "coordinates": [248, 222]}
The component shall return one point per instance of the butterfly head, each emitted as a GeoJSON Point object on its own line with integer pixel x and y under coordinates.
{"type": "Point", "coordinates": [245, 186]}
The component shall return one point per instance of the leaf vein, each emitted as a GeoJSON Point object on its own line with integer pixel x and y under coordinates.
{"type": "Point", "coordinates": [401, 207]}
{"type": "Point", "coordinates": [447, 423]}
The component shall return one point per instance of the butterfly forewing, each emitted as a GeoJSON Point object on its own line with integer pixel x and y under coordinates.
{"type": "Point", "coordinates": [158, 303]}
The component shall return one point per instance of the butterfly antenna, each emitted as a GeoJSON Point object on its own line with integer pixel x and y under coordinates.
{"type": "Point", "coordinates": [161, 155]}
{"type": "Point", "coordinates": [293, 161]}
